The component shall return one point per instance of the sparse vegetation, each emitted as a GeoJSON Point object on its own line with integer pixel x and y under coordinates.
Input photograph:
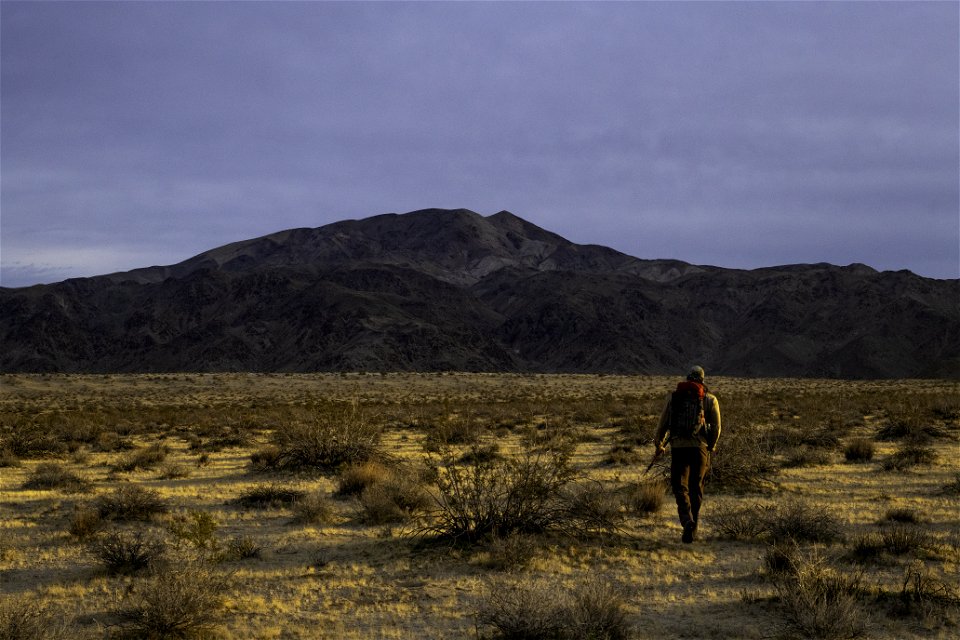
{"type": "Point", "coordinates": [542, 611]}
{"type": "Point", "coordinates": [178, 603]}
{"type": "Point", "coordinates": [126, 552]}
{"type": "Point", "coordinates": [30, 618]}
{"type": "Point", "coordinates": [528, 483]}
{"type": "Point", "coordinates": [51, 475]}
{"type": "Point", "coordinates": [130, 502]}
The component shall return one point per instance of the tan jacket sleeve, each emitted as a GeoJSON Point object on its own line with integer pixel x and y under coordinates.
{"type": "Point", "coordinates": [712, 416]}
{"type": "Point", "coordinates": [663, 429]}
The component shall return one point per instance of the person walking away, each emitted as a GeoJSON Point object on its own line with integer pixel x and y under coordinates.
{"type": "Point", "coordinates": [690, 424]}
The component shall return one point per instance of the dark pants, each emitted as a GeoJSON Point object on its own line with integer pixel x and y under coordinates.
{"type": "Point", "coordinates": [688, 468]}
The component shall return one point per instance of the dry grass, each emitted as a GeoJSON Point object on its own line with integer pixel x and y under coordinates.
{"type": "Point", "coordinates": [314, 540]}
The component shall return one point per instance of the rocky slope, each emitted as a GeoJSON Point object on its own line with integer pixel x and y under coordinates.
{"type": "Point", "coordinates": [453, 290]}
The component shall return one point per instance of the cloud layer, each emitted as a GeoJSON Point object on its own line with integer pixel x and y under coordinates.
{"type": "Point", "coordinates": [735, 134]}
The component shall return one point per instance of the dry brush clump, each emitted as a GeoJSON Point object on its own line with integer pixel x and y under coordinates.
{"type": "Point", "coordinates": [531, 493]}
{"type": "Point", "coordinates": [129, 502]}
{"type": "Point", "coordinates": [268, 496]}
{"type": "Point", "coordinates": [326, 439]}
{"type": "Point", "coordinates": [52, 475]}
{"type": "Point", "coordinates": [174, 603]}
{"type": "Point", "coordinates": [542, 610]}
{"type": "Point", "coordinates": [125, 552]}
{"type": "Point", "coordinates": [820, 601]}
{"type": "Point", "coordinates": [795, 520]}
{"type": "Point", "coordinates": [30, 618]}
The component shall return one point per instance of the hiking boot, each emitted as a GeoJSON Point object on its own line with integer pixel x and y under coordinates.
{"type": "Point", "coordinates": [689, 532]}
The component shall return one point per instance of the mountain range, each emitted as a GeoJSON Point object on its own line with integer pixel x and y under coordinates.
{"type": "Point", "coordinates": [438, 290]}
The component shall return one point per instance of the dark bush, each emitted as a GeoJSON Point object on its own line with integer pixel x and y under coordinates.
{"type": "Point", "coordinates": [334, 436]}
{"type": "Point", "coordinates": [242, 548]}
{"type": "Point", "coordinates": [744, 460]}
{"type": "Point", "coordinates": [909, 456]}
{"type": "Point", "coordinates": [32, 441]}
{"type": "Point", "coordinates": [515, 551]}
{"type": "Point", "coordinates": [394, 499]}
{"type": "Point", "coordinates": [544, 611]}
{"type": "Point", "coordinates": [314, 507]}
{"type": "Point", "coordinates": [820, 601]}
{"type": "Point", "coordinates": [85, 522]}
{"type": "Point", "coordinates": [130, 502]}
{"type": "Point", "coordinates": [742, 523]}
{"type": "Point", "coordinates": [859, 450]}
{"type": "Point", "coordinates": [806, 456]}
{"type": "Point", "coordinates": [145, 458]}
{"type": "Point", "coordinates": [267, 496]}
{"type": "Point", "coordinates": [802, 522]}
{"type": "Point", "coordinates": [355, 478]}
{"type": "Point", "coordinates": [184, 603]}
{"type": "Point", "coordinates": [646, 497]}
{"type": "Point", "coordinates": [199, 528]}
{"type": "Point", "coordinates": [900, 539]}
{"type": "Point", "coordinates": [492, 499]}
{"type": "Point", "coordinates": [28, 618]}
{"type": "Point", "coordinates": [127, 552]}
{"type": "Point", "coordinates": [866, 548]}
{"type": "Point", "coordinates": [51, 475]}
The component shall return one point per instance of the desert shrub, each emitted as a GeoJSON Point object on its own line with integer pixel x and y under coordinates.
{"type": "Point", "coordinates": [646, 497]}
{"type": "Point", "coordinates": [952, 488]}
{"type": "Point", "coordinates": [782, 558]}
{"type": "Point", "coordinates": [802, 522]}
{"type": "Point", "coordinates": [743, 461]}
{"type": "Point", "coordinates": [496, 498]}
{"type": "Point", "coordinates": [741, 523]}
{"type": "Point", "coordinates": [859, 450]}
{"type": "Point", "coordinates": [481, 453]}
{"type": "Point", "coordinates": [266, 496]}
{"type": "Point", "coordinates": [866, 548]}
{"type": "Point", "coordinates": [334, 436]}
{"type": "Point", "coordinates": [50, 475]}
{"type": "Point", "coordinates": [199, 528]}
{"type": "Point", "coordinates": [454, 432]}
{"type": "Point", "coordinates": [144, 458]}
{"type": "Point", "coordinates": [805, 456]}
{"type": "Point", "coordinates": [911, 423]}
{"type": "Point", "coordinates": [923, 595]}
{"type": "Point", "coordinates": [130, 502]}
{"type": "Point", "coordinates": [184, 603]}
{"type": "Point", "coordinates": [623, 454]}
{"type": "Point", "coordinates": [900, 539]}
{"type": "Point", "coordinates": [902, 515]}
{"type": "Point", "coordinates": [512, 552]}
{"type": "Point", "coordinates": [126, 552]}
{"type": "Point", "coordinates": [263, 459]}
{"type": "Point", "coordinates": [820, 601]}
{"type": "Point", "coordinates": [242, 548]}
{"type": "Point", "coordinates": [544, 611]}
{"type": "Point", "coordinates": [8, 458]}
{"type": "Point", "coordinates": [593, 506]}
{"type": "Point", "coordinates": [394, 499]}
{"type": "Point", "coordinates": [174, 471]}
{"type": "Point", "coordinates": [29, 618]}
{"type": "Point", "coordinates": [909, 456]}
{"type": "Point", "coordinates": [355, 478]}
{"type": "Point", "coordinates": [85, 522]}
{"type": "Point", "coordinates": [314, 507]}
{"type": "Point", "coordinates": [31, 441]}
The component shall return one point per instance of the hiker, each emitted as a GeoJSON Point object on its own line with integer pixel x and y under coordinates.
{"type": "Point", "coordinates": [691, 424]}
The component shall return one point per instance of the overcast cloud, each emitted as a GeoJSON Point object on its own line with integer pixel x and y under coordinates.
{"type": "Point", "coordinates": [736, 134]}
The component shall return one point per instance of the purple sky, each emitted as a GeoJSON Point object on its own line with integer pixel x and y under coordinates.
{"type": "Point", "coordinates": [734, 134]}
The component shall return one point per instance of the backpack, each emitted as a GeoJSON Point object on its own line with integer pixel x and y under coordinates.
{"type": "Point", "coordinates": [686, 411]}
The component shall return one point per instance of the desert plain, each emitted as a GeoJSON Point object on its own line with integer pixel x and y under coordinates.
{"type": "Point", "coordinates": [463, 505]}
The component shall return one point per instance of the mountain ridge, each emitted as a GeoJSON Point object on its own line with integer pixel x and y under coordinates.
{"type": "Point", "coordinates": [442, 289]}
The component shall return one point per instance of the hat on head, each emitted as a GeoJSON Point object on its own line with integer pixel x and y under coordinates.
{"type": "Point", "coordinates": [696, 373]}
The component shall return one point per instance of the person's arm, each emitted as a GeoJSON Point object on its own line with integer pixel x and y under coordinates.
{"type": "Point", "coordinates": [660, 440]}
{"type": "Point", "coordinates": [713, 424]}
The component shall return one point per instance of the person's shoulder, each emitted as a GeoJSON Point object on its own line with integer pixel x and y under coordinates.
{"type": "Point", "coordinates": [709, 397]}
